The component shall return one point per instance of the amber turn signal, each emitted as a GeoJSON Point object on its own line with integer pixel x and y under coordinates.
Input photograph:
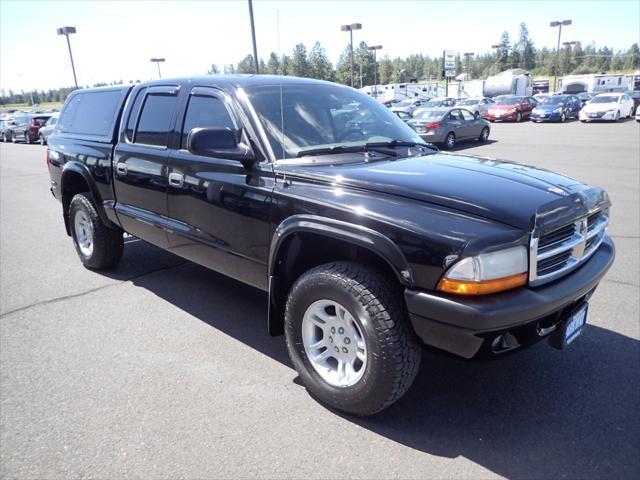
{"type": "Point", "coordinates": [465, 287]}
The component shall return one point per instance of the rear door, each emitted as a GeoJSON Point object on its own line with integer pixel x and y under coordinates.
{"type": "Point", "coordinates": [470, 125]}
{"type": "Point", "coordinates": [140, 164]}
{"type": "Point", "coordinates": [219, 210]}
{"type": "Point", "coordinates": [455, 123]}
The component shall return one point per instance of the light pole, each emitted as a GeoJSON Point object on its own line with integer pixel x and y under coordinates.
{"type": "Point", "coordinates": [375, 48]}
{"type": "Point", "coordinates": [253, 39]}
{"type": "Point", "coordinates": [468, 56]}
{"type": "Point", "coordinates": [157, 61]}
{"type": "Point", "coordinates": [569, 44]}
{"type": "Point", "coordinates": [66, 31]}
{"type": "Point", "coordinates": [350, 29]}
{"type": "Point", "coordinates": [559, 24]}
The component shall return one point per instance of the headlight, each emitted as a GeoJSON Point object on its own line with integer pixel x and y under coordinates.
{"type": "Point", "coordinates": [557, 110]}
{"type": "Point", "coordinates": [487, 273]}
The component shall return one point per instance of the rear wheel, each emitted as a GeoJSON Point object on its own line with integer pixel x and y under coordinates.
{"type": "Point", "coordinates": [349, 338]}
{"type": "Point", "coordinates": [98, 246]}
{"type": "Point", "coordinates": [450, 141]}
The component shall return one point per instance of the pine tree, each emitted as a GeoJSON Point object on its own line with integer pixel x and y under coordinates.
{"type": "Point", "coordinates": [299, 62]}
{"type": "Point", "coordinates": [245, 65]}
{"type": "Point", "coordinates": [319, 65]}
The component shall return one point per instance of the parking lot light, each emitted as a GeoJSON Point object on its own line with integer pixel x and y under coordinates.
{"type": "Point", "coordinates": [157, 62]}
{"type": "Point", "coordinates": [559, 24]}
{"type": "Point", "coordinates": [66, 31]}
{"type": "Point", "coordinates": [375, 48]}
{"type": "Point", "coordinates": [350, 28]}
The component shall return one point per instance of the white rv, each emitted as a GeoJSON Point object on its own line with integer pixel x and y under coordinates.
{"type": "Point", "coordinates": [402, 91]}
{"type": "Point", "coordinates": [594, 83]}
{"type": "Point", "coordinates": [514, 81]}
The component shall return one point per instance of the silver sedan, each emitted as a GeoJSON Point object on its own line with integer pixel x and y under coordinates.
{"type": "Point", "coordinates": [448, 126]}
{"type": "Point", "coordinates": [478, 106]}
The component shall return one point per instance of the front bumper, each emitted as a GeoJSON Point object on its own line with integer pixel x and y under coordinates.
{"type": "Point", "coordinates": [469, 326]}
{"type": "Point", "coordinates": [610, 115]}
{"type": "Point", "coordinates": [548, 117]}
{"type": "Point", "coordinates": [493, 116]}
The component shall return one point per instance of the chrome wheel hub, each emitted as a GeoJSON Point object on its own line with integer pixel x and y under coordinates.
{"type": "Point", "coordinates": [84, 232]}
{"type": "Point", "coordinates": [334, 343]}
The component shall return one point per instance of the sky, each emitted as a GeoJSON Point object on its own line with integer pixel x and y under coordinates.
{"type": "Point", "coordinates": [116, 39]}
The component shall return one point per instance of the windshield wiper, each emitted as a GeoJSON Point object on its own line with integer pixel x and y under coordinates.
{"type": "Point", "coordinates": [348, 149]}
{"type": "Point", "coordinates": [400, 143]}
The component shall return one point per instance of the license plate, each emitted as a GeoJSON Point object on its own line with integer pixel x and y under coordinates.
{"type": "Point", "coordinates": [575, 324]}
{"type": "Point", "coordinates": [569, 329]}
{"type": "Point", "coordinates": [593, 115]}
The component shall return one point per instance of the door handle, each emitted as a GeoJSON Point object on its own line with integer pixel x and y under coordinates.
{"type": "Point", "coordinates": [121, 168]}
{"type": "Point", "coordinates": [176, 179]}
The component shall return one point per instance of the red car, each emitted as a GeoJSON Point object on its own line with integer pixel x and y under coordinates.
{"type": "Point", "coordinates": [511, 108]}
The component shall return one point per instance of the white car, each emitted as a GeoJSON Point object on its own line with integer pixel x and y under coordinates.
{"type": "Point", "coordinates": [607, 106]}
{"type": "Point", "coordinates": [478, 106]}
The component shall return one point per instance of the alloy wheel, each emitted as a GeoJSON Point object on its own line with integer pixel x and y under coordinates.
{"type": "Point", "coordinates": [334, 343]}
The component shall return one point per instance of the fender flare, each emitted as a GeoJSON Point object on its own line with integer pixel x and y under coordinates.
{"type": "Point", "coordinates": [81, 169]}
{"type": "Point", "coordinates": [359, 235]}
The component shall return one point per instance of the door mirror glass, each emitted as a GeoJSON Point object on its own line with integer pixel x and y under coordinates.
{"type": "Point", "coordinates": [219, 143]}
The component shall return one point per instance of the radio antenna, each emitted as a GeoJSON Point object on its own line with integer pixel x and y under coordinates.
{"type": "Point", "coordinates": [284, 171]}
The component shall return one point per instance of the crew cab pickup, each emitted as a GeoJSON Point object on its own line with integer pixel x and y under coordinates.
{"type": "Point", "coordinates": [369, 242]}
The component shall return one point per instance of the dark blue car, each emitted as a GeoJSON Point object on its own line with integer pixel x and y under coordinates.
{"type": "Point", "coordinates": [557, 108]}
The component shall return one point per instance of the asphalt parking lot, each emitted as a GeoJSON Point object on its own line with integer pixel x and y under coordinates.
{"type": "Point", "coordinates": [163, 369]}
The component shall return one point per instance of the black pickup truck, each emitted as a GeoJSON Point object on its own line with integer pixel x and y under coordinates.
{"type": "Point", "coordinates": [369, 242]}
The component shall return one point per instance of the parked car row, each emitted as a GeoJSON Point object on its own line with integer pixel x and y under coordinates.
{"type": "Point", "coordinates": [27, 127]}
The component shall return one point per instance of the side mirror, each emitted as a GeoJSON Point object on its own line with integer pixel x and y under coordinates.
{"type": "Point", "coordinates": [220, 143]}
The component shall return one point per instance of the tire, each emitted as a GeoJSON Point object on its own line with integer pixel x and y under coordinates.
{"type": "Point", "coordinates": [27, 140]}
{"type": "Point", "coordinates": [617, 117]}
{"type": "Point", "coordinates": [450, 141]}
{"type": "Point", "coordinates": [98, 246]}
{"type": "Point", "coordinates": [563, 117]}
{"type": "Point", "coordinates": [379, 328]}
{"type": "Point", "coordinates": [484, 135]}
{"type": "Point", "coordinates": [42, 139]}
{"type": "Point", "coordinates": [13, 138]}
{"type": "Point", "coordinates": [518, 117]}
{"type": "Point", "coordinates": [7, 137]}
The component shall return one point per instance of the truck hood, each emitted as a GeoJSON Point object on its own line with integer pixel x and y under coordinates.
{"type": "Point", "coordinates": [518, 195]}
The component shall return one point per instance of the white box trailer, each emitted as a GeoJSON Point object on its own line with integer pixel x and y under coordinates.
{"type": "Point", "coordinates": [467, 89]}
{"type": "Point", "coordinates": [514, 81]}
{"type": "Point", "coordinates": [594, 83]}
{"type": "Point", "coordinates": [401, 91]}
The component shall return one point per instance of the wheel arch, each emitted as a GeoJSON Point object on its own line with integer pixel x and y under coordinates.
{"type": "Point", "coordinates": [76, 178]}
{"type": "Point", "coordinates": [302, 242]}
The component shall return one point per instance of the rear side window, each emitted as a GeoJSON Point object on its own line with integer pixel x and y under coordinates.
{"type": "Point", "coordinates": [205, 111]}
{"type": "Point", "coordinates": [155, 119]}
{"type": "Point", "coordinates": [91, 113]}
{"type": "Point", "coordinates": [133, 114]}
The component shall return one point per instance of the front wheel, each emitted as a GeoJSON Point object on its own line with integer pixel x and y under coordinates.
{"type": "Point", "coordinates": [42, 139]}
{"type": "Point", "coordinates": [563, 117]}
{"type": "Point", "coordinates": [348, 336]}
{"type": "Point", "coordinates": [98, 246]}
{"type": "Point", "coordinates": [518, 117]}
{"type": "Point", "coordinates": [484, 135]}
{"type": "Point", "coordinates": [617, 117]}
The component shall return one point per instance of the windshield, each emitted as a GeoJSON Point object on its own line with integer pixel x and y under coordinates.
{"type": "Point", "coordinates": [314, 116]}
{"type": "Point", "coordinates": [604, 99]}
{"type": "Point", "coordinates": [554, 101]}
{"type": "Point", "coordinates": [468, 102]}
{"type": "Point", "coordinates": [508, 101]}
{"type": "Point", "coordinates": [432, 103]}
{"type": "Point", "coordinates": [430, 114]}
{"type": "Point", "coordinates": [404, 103]}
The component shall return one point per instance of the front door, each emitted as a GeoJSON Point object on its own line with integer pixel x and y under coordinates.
{"type": "Point", "coordinates": [140, 164]}
{"type": "Point", "coordinates": [219, 211]}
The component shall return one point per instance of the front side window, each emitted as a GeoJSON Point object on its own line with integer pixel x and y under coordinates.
{"type": "Point", "coordinates": [205, 111]}
{"type": "Point", "coordinates": [299, 117]}
{"type": "Point", "coordinates": [155, 119]}
{"type": "Point", "coordinates": [468, 116]}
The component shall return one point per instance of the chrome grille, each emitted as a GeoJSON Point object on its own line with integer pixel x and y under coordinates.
{"type": "Point", "coordinates": [556, 253]}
